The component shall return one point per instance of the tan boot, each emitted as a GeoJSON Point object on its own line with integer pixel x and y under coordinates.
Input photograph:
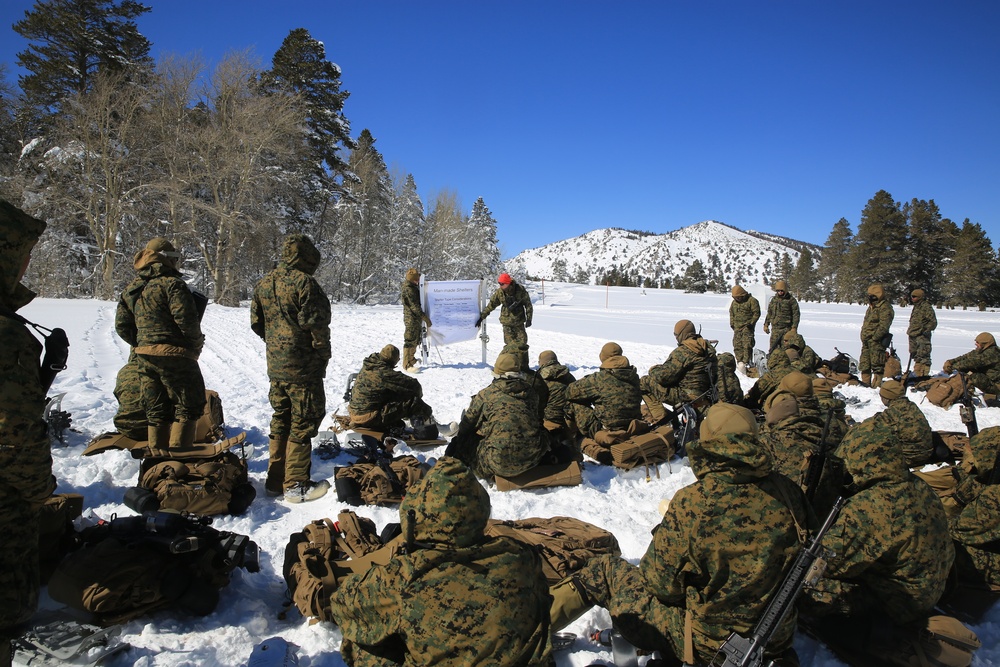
{"type": "Point", "coordinates": [921, 370]}
{"type": "Point", "coordinates": [274, 486]}
{"type": "Point", "coordinates": [657, 413]}
{"type": "Point", "coordinates": [866, 378]}
{"type": "Point", "coordinates": [876, 380]}
{"type": "Point", "coordinates": [182, 434]}
{"type": "Point", "coordinates": [158, 436]}
{"type": "Point", "coordinates": [409, 360]}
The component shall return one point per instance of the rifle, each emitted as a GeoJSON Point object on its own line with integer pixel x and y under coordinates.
{"type": "Point", "coordinates": [738, 651]}
{"type": "Point", "coordinates": [817, 461]}
{"type": "Point", "coordinates": [349, 390]}
{"type": "Point", "coordinates": [967, 409]}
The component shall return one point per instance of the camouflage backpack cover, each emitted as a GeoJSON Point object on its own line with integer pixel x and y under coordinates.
{"type": "Point", "coordinates": [383, 483]}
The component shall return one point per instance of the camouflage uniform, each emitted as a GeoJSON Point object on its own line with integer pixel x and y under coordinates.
{"type": "Point", "coordinates": [685, 377]}
{"type": "Point", "coordinates": [778, 366]}
{"type": "Point", "coordinates": [383, 397]}
{"type": "Point", "coordinates": [923, 321]}
{"type": "Point", "coordinates": [808, 360]}
{"type": "Point", "coordinates": [782, 315]}
{"type": "Point", "coordinates": [25, 460]}
{"type": "Point", "coordinates": [130, 420]}
{"type": "Point", "coordinates": [413, 316]}
{"type": "Point", "coordinates": [720, 552]}
{"type": "Point", "coordinates": [744, 312]}
{"type": "Point", "coordinates": [983, 364]}
{"type": "Point", "coordinates": [831, 405]}
{"type": "Point", "coordinates": [727, 385]}
{"type": "Point", "coordinates": [501, 431]}
{"type": "Point", "coordinates": [515, 312]}
{"type": "Point", "coordinates": [891, 543]}
{"type": "Point", "coordinates": [557, 379]}
{"type": "Point", "coordinates": [291, 313]}
{"type": "Point", "coordinates": [878, 319]}
{"type": "Point", "coordinates": [157, 316]}
{"type": "Point", "coordinates": [904, 418]}
{"type": "Point", "coordinates": [976, 530]}
{"type": "Point", "coordinates": [607, 400]}
{"type": "Point", "coordinates": [458, 599]}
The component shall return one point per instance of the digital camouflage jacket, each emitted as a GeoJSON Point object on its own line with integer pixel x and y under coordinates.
{"type": "Point", "coordinates": [985, 361]}
{"type": "Point", "coordinates": [878, 319]}
{"type": "Point", "coordinates": [904, 418]}
{"type": "Point", "coordinates": [976, 530]}
{"type": "Point", "coordinates": [782, 312]}
{"type": "Point", "coordinates": [515, 305]}
{"type": "Point", "coordinates": [690, 367]}
{"type": "Point", "coordinates": [613, 391]}
{"type": "Point", "coordinates": [156, 313]}
{"type": "Point", "coordinates": [922, 319]}
{"type": "Point", "coordinates": [458, 599]}
{"type": "Point", "coordinates": [379, 383]}
{"type": "Point", "coordinates": [725, 542]}
{"type": "Point", "coordinates": [291, 313]}
{"type": "Point", "coordinates": [744, 315]}
{"type": "Point", "coordinates": [558, 379]}
{"type": "Point", "coordinates": [891, 542]}
{"type": "Point", "coordinates": [410, 296]}
{"type": "Point", "coordinates": [507, 418]}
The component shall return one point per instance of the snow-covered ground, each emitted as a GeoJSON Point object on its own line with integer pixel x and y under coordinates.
{"type": "Point", "coordinates": [573, 320]}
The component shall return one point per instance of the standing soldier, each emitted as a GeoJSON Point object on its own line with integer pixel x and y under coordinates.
{"type": "Point", "coordinates": [413, 317]}
{"type": "Point", "coordinates": [875, 336]}
{"type": "Point", "coordinates": [25, 460]}
{"type": "Point", "coordinates": [744, 312]}
{"type": "Point", "coordinates": [922, 322]}
{"type": "Point", "coordinates": [782, 314]}
{"type": "Point", "coordinates": [158, 317]}
{"type": "Point", "coordinates": [515, 309]}
{"type": "Point", "coordinates": [291, 313]}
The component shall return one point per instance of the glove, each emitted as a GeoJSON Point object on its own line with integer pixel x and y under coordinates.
{"type": "Point", "coordinates": [479, 320]}
{"type": "Point", "coordinates": [56, 354]}
{"type": "Point", "coordinates": [527, 324]}
{"type": "Point", "coordinates": [767, 329]}
{"type": "Point", "coordinates": [947, 366]}
{"type": "Point", "coordinates": [427, 321]}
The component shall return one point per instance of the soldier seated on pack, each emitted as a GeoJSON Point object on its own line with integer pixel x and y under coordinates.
{"type": "Point", "coordinates": [976, 529]}
{"type": "Point", "coordinates": [558, 419]}
{"type": "Point", "coordinates": [609, 399]}
{"type": "Point", "coordinates": [382, 397]}
{"type": "Point", "coordinates": [808, 360]}
{"type": "Point", "coordinates": [687, 376]}
{"type": "Point", "coordinates": [892, 550]}
{"type": "Point", "coordinates": [455, 597]}
{"type": "Point", "coordinates": [501, 431]}
{"type": "Point", "coordinates": [983, 366]}
{"type": "Point", "coordinates": [904, 418]}
{"type": "Point", "coordinates": [716, 558]}
{"type": "Point", "coordinates": [727, 385]}
{"type": "Point", "coordinates": [779, 364]}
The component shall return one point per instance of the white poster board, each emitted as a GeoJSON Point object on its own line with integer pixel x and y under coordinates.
{"type": "Point", "coordinates": [453, 306]}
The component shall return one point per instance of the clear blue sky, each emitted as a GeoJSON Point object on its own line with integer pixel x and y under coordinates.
{"type": "Point", "coordinates": [568, 116]}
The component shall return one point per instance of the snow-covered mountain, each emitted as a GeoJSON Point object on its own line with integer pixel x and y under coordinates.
{"type": "Point", "coordinates": [728, 254]}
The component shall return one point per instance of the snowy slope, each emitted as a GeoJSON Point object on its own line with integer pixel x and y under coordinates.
{"type": "Point", "coordinates": [573, 320]}
{"type": "Point", "coordinates": [736, 255]}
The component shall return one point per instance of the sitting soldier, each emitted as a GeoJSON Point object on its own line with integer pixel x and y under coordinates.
{"type": "Point", "coordinates": [687, 376]}
{"type": "Point", "coordinates": [383, 397]}
{"type": "Point", "coordinates": [456, 597]}
{"type": "Point", "coordinates": [727, 385]}
{"type": "Point", "coordinates": [609, 399]}
{"type": "Point", "coordinates": [558, 419]}
{"type": "Point", "coordinates": [501, 431]}
{"type": "Point", "coordinates": [808, 360]}
{"type": "Point", "coordinates": [982, 364]}
{"type": "Point", "coordinates": [779, 364]}
{"type": "Point", "coordinates": [976, 529]}
{"type": "Point", "coordinates": [905, 419]}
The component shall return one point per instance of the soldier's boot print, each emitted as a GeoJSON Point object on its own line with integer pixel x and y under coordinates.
{"type": "Point", "coordinates": [274, 486]}
{"type": "Point", "coordinates": [158, 436]}
{"type": "Point", "coordinates": [182, 434]}
{"type": "Point", "coordinates": [569, 602]}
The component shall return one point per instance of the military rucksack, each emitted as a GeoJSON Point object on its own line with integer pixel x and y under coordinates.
{"type": "Point", "coordinates": [365, 483]}
{"type": "Point", "coordinates": [319, 557]}
{"type": "Point", "coordinates": [943, 392]}
{"type": "Point", "coordinates": [565, 543]}
{"type": "Point", "coordinates": [56, 536]}
{"type": "Point", "coordinates": [200, 486]}
{"type": "Point", "coordinates": [133, 565]}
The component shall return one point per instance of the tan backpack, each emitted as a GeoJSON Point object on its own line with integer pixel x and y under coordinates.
{"type": "Point", "coordinates": [205, 487]}
{"type": "Point", "coordinates": [565, 543]}
{"type": "Point", "coordinates": [370, 484]}
{"type": "Point", "coordinates": [324, 553]}
{"type": "Point", "coordinates": [944, 392]}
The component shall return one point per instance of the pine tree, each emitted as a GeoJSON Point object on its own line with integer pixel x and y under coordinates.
{"type": "Point", "coordinates": [804, 277]}
{"type": "Point", "coordinates": [834, 268]}
{"type": "Point", "coordinates": [484, 254]}
{"type": "Point", "coordinates": [970, 277]}
{"type": "Point", "coordinates": [695, 277]}
{"type": "Point", "coordinates": [880, 253]}
{"type": "Point", "coordinates": [71, 41]}
{"type": "Point", "coordinates": [932, 244]}
{"type": "Point", "coordinates": [786, 268]}
{"type": "Point", "coordinates": [410, 224]}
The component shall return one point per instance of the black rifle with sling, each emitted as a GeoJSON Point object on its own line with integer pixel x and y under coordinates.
{"type": "Point", "coordinates": [739, 651]}
{"type": "Point", "coordinates": [967, 408]}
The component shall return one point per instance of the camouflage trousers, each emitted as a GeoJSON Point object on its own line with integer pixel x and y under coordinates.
{"type": "Point", "coordinates": [391, 415]}
{"type": "Point", "coordinates": [514, 333]}
{"type": "Point", "coordinates": [654, 392]}
{"type": "Point", "coordinates": [777, 333]}
{"type": "Point", "coordinates": [920, 349]}
{"type": "Point", "coordinates": [172, 389]}
{"type": "Point", "coordinates": [130, 420]}
{"type": "Point", "coordinates": [19, 577]}
{"type": "Point", "coordinates": [487, 462]}
{"type": "Point", "coordinates": [411, 331]}
{"type": "Point", "coordinates": [872, 357]}
{"type": "Point", "coordinates": [743, 342]}
{"type": "Point", "coordinates": [299, 408]}
{"type": "Point", "coordinates": [983, 382]}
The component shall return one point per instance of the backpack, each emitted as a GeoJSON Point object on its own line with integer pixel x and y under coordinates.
{"type": "Point", "coordinates": [893, 366]}
{"type": "Point", "coordinates": [319, 557]}
{"type": "Point", "coordinates": [56, 536]}
{"type": "Point", "coordinates": [130, 566]}
{"type": "Point", "coordinates": [944, 392]}
{"type": "Point", "coordinates": [369, 483]}
{"type": "Point", "coordinates": [566, 544]}
{"type": "Point", "coordinates": [200, 486]}
{"type": "Point", "coordinates": [840, 363]}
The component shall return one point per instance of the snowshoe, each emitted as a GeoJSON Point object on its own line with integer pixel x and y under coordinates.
{"type": "Point", "coordinates": [60, 639]}
{"type": "Point", "coordinates": [273, 652]}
